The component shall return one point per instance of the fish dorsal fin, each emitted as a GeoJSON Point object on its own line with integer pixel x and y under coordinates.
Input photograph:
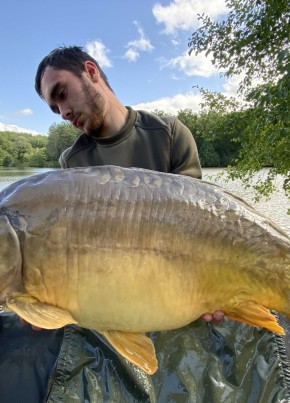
{"type": "Point", "coordinates": [38, 313]}
{"type": "Point", "coordinates": [256, 315]}
{"type": "Point", "coordinates": [135, 347]}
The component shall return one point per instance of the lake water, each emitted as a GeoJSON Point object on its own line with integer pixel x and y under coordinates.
{"type": "Point", "coordinates": [275, 208]}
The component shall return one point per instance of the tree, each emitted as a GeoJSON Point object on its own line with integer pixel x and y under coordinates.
{"type": "Point", "coordinates": [254, 40]}
{"type": "Point", "coordinates": [7, 161]}
{"type": "Point", "coordinates": [38, 141]}
{"type": "Point", "coordinates": [214, 133]}
{"type": "Point", "coordinates": [208, 155]}
{"type": "Point", "coordinates": [22, 148]}
{"type": "Point", "coordinates": [38, 158]}
{"type": "Point", "coordinates": [159, 112]}
{"type": "Point", "coordinates": [60, 137]}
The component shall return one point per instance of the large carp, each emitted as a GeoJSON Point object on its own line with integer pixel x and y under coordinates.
{"type": "Point", "coordinates": [127, 251]}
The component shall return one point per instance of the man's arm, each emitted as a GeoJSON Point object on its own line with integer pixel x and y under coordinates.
{"type": "Point", "coordinates": [184, 154]}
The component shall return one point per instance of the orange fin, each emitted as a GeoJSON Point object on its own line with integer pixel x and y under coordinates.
{"type": "Point", "coordinates": [39, 313]}
{"type": "Point", "coordinates": [255, 315]}
{"type": "Point", "coordinates": [135, 347]}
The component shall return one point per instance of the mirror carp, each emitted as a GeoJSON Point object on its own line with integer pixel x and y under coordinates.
{"type": "Point", "coordinates": [127, 251]}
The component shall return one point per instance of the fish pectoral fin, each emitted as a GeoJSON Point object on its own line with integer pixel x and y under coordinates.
{"type": "Point", "coordinates": [256, 315]}
{"type": "Point", "coordinates": [135, 347]}
{"type": "Point", "coordinates": [39, 313]}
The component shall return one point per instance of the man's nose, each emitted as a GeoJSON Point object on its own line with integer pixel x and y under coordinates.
{"type": "Point", "coordinates": [65, 112]}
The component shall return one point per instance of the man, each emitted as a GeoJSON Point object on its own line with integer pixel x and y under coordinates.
{"type": "Point", "coordinates": [74, 86]}
{"type": "Point", "coordinates": [196, 363]}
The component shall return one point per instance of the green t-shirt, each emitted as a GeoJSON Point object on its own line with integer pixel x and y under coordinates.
{"type": "Point", "coordinates": [147, 141]}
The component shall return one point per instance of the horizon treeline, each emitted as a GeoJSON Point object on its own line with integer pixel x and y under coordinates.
{"type": "Point", "coordinates": [216, 134]}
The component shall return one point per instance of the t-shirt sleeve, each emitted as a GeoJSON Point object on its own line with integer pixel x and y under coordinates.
{"type": "Point", "coordinates": [184, 154]}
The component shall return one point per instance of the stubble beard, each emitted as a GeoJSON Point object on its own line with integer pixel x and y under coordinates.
{"type": "Point", "coordinates": [95, 104]}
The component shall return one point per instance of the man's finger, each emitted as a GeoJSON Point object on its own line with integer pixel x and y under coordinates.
{"type": "Point", "coordinates": [27, 323]}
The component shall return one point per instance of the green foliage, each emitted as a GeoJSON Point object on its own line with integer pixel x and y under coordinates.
{"type": "Point", "coordinates": [38, 158]}
{"type": "Point", "coordinates": [253, 40]}
{"type": "Point", "coordinates": [208, 155]}
{"type": "Point", "coordinates": [7, 161]}
{"type": "Point", "coordinates": [249, 40]}
{"type": "Point", "coordinates": [159, 112]}
{"type": "Point", "coordinates": [214, 133]}
{"type": "Point", "coordinates": [60, 137]}
{"type": "Point", "coordinates": [20, 149]}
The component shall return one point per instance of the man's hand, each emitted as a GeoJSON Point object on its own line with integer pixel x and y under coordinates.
{"type": "Point", "coordinates": [216, 318]}
{"type": "Point", "coordinates": [27, 323]}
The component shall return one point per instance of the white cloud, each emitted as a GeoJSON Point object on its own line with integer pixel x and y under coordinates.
{"type": "Point", "coordinates": [181, 15]}
{"type": "Point", "coordinates": [173, 104]}
{"type": "Point", "coordinates": [98, 51]}
{"type": "Point", "coordinates": [142, 44]}
{"type": "Point", "coordinates": [191, 65]}
{"type": "Point", "coordinates": [26, 112]}
{"type": "Point", "coordinates": [132, 55]}
{"type": "Point", "coordinates": [231, 86]}
{"type": "Point", "coordinates": [176, 78]}
{"type": "Point", "coordinates": [189, 100]}
{"type": "Point", "coordinates": [16, 129]}
{"type": "Point", "coordinates": [175, 42]}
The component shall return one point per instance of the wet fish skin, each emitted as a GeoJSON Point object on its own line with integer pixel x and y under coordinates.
{"type": "Point", "coordinates": [126, 251]}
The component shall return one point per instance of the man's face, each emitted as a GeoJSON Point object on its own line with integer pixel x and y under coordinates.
{"type": "Point", "coordinates": [75, 99]}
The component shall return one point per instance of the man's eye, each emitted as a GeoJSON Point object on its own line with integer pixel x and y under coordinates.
{"type": "Point", "coordinates": [55, 109]}
{"type": "Point", "coordinates": [61, 94]}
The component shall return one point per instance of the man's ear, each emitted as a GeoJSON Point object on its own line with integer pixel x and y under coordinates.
{"type": "Point", "coordinates": [92, 71]}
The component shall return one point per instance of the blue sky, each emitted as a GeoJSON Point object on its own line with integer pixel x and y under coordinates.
{"type": "Point", "coordinates": [141, 45]}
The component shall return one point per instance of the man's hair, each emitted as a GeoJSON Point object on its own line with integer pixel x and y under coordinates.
{"type": "Point", "coordinates": [71, 58]}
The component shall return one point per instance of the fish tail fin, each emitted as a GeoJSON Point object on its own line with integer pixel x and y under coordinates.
{"type": "Point", "coordinates": [256, 315]}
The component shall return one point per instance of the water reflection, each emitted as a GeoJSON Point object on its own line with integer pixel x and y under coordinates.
{"type": "Point", "coordinates": [275, 207]}
{"type": "Point", "coordinates": [10, 175]}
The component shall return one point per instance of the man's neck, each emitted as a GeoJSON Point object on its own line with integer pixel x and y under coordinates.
{"type": "Point", "coordinates": [115, 119]}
